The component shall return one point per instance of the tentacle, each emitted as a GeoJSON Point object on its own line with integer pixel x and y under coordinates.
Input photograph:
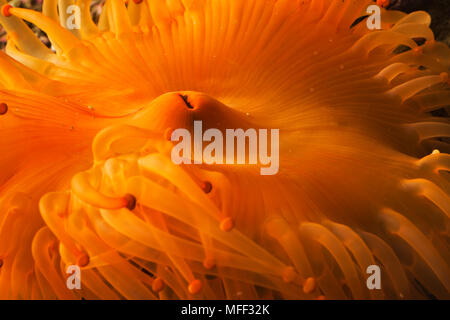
{"type": "Point", "coordinates": [50, 9]}
{"type": "Point", "coordinates": [89, 29]}
{"type": "Point", "coordinates": [63, 38]}
{"type": "Point", "coordinates": [338, 251]}
{"type": "Point", "coordinates": [435, 162]}
{"type": "Point", "coordinates": [433, 101]}
{"type": "Point", "coordinates": [429, 130]}
{"type": "Point", "coordinates": [397, 224]}
{"type": "Point", "coordinates": [44, 253]}
{"type": "Point", "coordinates": [27, 41]}
{"type": "Point", "coordinates": [393, 70]}
{"type": "Point", "coordinates": [357, 247]}
{"type": "Point", "coordinates": [431, 191]}
{"type": "Point", "coordinates": [280, 230]}
{"type": "Point", "coordinates": [392, 266]}
{"type": "Point", "coordinates": [412, 87]}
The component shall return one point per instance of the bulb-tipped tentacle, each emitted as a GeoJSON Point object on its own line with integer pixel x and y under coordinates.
{"type": "Point", "coordinates": [337, 250]}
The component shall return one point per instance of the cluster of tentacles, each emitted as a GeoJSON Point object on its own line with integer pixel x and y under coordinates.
{"type": "Point", "coordinates": [86, 176]}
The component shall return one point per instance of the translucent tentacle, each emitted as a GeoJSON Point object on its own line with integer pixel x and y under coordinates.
{"type": "Point", "coordinates": [390, 261]}
{"type": "Point", "coordinates": [435, 162]}
{"type": "Point", "coordinates": [356, 246]}
{"type": "Point", "coordinates": [412, 87]}
{"type": "Point", "coordinates": [63, 38]}
{"type": "Point", "coordinates": [400, 226]}
{"type": "Point", "coordinates": [431, 191]}
{"type": "Point", "coordinates": [338, 251]}
{"type": "Point", "coordinates": [428, 130]}
{"type": "Point", "coordinates": [50, 9]}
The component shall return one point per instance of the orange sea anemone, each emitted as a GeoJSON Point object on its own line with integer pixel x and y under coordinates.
{"type": "Point", "coordinates": [86, 177]}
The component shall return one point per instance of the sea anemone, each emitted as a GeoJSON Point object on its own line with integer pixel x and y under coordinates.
{"type": "Point", "coordinates": [86, 177]}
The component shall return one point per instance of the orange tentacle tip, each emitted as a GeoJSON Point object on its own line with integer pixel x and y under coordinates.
{"type": "Point", "coordinates": [309, 286]}
{"type": "Point", "coordinates": [83, 260]}
{"type": "Point", "coordinates": [206, 187]}
{"type": "Point", "coordinates": [227, 224]}
{"type": "Point", "coordinates": [130, 202]}
{"type": "Point", "coordinates": [6, 10]}
{"type": "Point", "coordinates": [158, 285]}
{"type": "Point", "coordinates": [195, 286]}
{"type": "Point", "coordinates": [383, 3]}
{"type": "Point", "coordinates": [3, 108]}
{"type": "Point", "coordinates": [209, 263]}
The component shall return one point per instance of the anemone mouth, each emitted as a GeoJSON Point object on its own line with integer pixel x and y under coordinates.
{"type": "Point", "coordinates": [3, 109]}
{"type": "Point", "coordinates": [185, 98]}
{"type": "Point", "coordinates": [360, 183]}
